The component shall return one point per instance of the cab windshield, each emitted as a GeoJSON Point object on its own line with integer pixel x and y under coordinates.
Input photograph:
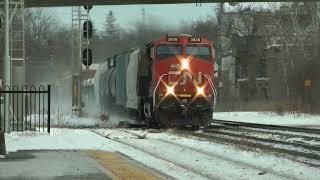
{"type": "Point", "coordinates": [167, 51]}
{"type": "Point", "coordinates": [202, 52]}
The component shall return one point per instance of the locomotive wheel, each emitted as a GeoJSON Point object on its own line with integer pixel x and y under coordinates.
{"type": "Point", "coordinates": [151, 124]}
{"type": "Point", "coordinates": [141, 116]}
{"type": "Point", "coordinates": [158, 120]}
{"type": "Point", "coordinates": [206, 119]}
{"type": "Point", "coordinates": [168, 120]}
{"type": "Point", "coordinates": [195, 128]}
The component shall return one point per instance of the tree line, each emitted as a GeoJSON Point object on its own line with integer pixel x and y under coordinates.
{"type": "Point", "coordinates": [48, 42]}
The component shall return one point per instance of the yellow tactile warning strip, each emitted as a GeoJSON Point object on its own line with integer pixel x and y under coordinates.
{"type": "Point", "coordinates": [120, 167]}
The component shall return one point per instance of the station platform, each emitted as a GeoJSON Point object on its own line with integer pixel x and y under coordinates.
{"type": "Point", "coordinates": [72, 164]}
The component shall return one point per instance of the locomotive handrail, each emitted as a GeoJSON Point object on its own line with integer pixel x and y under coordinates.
{"type": "Point", "coordinates": [213, 90]}
{"type": "Point", "coordinates": [155, 89]}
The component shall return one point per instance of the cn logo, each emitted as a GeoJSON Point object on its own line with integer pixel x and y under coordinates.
{"type": "Point", "coordinates": [184, 77]}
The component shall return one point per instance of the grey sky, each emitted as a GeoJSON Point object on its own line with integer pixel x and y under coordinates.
{"type": "Point", "coordinates": [169, 15]}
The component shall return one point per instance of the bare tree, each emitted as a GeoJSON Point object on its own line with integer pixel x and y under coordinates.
{"type": "Point", "coordinates": [40, 24]}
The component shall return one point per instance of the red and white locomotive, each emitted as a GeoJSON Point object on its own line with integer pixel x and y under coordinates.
{"type": "Point", "coordinates": [168, 82]}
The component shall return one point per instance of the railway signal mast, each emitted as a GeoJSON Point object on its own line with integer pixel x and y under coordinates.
{"type": "Point", "coordinates": [87, 34]}
{"type": "Point", "coordinates": [81, 53]}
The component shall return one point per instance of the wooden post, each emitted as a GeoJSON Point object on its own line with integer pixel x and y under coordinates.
{"type": "Point", "coordinates": [307, 94]}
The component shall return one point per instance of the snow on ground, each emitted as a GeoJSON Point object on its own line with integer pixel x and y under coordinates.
{"type": "Point", "coordinates": [58, 139]}
{"type": "Point", "coordinates": [72, 121]}
{"type": "Point", "coordinates": [223, 161]}
{"type": "Point", "coordinates": [265, 162]}
{"type": "Point", "coordinates": [81, 139]}
{"type": "Point", "coordinates": [303, 120]}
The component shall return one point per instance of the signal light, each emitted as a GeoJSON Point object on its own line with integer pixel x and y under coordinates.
{"type": "Point", "coordinates": [87, 7]}
{"type": "Point", "coordinates": [87, 57]}
{"type": "Point", "coordinates": [87, 29]}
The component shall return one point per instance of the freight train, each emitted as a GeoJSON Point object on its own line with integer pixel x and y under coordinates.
{"type": "Point", "coordinates": [167, 82]}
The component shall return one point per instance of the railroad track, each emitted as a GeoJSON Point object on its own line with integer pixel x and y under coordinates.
{"type": "Point", "coordinates": [266, 126]}
{"type": "Point", "coordinates": [194, 169]}
{"type": "Point", "coordinates": [207, 176]}
{"type": "Point", "coordinates": [254, 137]}
{"type": "Point", "coordinates": [232, 133]}
{"type": "Point", "coordinates": [208, 153]}
{"type": "Point", "coordinates": [247, 135]}
{"type": "Point", "coordinates": [306, 136]}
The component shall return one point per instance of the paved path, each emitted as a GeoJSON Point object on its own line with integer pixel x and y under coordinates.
{"type": "Point", "coordinates": [66, 165]}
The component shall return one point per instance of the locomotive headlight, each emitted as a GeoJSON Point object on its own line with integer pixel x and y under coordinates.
{"type": "Point", "coordinates": [200, 91]}
{"type": "Point", "coordinates": [184, 64]}
{"type": "Point", "coordinates": [170, 90]}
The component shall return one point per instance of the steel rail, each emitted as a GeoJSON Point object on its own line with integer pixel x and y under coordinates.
{"type": "Point", "coordinates": [274, 141]}
{"type": "Point", "coordinates": [267, 131]}
{"type": "Point", "coordinates": [266, 126]}
{"type": "Point", "coordinates": [245, 143]}
{"type": "Point", "coordinates": [210, 154]}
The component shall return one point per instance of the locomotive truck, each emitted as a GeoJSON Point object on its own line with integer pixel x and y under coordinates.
{"type": "Point", "coordinates": [167, 82]}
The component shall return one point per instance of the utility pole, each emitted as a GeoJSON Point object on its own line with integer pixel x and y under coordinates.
{"type": "Point", "coordinates": [143, 11]}
{"type": "Point", "coordinates": [7, 62]}
{"type": "Point", "coordinates": [219, 57]}
{"type": "Point", "coordinates": [79, 63]}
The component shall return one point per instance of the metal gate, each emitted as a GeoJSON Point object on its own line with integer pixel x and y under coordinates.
{"type": "Point", "coordinates": [25, 108]}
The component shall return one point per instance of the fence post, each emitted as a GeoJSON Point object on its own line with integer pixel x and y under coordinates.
{"type": "Point", "coordinates": [1, 118]}
{"type": "Point", "coordinates": [49, 112]}
{"type": "Point", "coordinates": [2, 144]}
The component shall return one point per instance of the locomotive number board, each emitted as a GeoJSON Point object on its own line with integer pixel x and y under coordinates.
{"type": "Point", "coordinates": [195, 39]}
{"type": "Point", "coordinates": [172, 39]}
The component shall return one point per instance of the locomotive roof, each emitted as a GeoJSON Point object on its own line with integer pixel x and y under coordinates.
{"type": "Point", "coordinates": [164, 39]}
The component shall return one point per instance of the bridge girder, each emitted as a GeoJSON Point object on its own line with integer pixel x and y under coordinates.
{"type": "Point", "coordinates": [55, 3]}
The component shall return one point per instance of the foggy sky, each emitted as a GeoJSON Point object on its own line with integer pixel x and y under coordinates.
{"type": "Point", "coordinates": [169, 15]}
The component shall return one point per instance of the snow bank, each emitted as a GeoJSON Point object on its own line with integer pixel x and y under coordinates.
{"type": "Point", "coordinates": [58, 139]}
{"type": "Point", "coordinates": [270, 118]}
{"type": "Point", "coordinates": [76, 122]}
{"type": "Point", "coordinates": [72, 121]}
